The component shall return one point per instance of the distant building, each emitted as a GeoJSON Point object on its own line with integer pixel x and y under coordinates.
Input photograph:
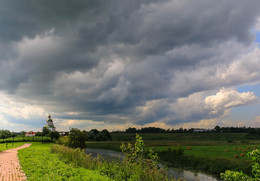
{"type": "Point", "coordinates": [49, 124]}
{"type": "Point", "coordinates": [30, 133]}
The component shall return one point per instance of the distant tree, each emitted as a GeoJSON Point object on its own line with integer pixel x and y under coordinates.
{"type": "Point", "coordinates": [13, 135]}
{"type": "Point", "coordinates": [45, 131]}
{"type": "Point", "coordinates": [55, 134]}
{"type": "Point", "coordinates": [180, 130]}
{"type": "Point", "coordinates": [104, 135]}
{"type": "Point", "coordinates": [131, 130]}
{"type": "Point", "coordinates": [38, 133]}
{"type": "Point", "coordinates": [2, 136]}
{"type": "Point", "coordinates": [77, 138]}
{"type": "Point", "coordinates": [93, 135]}
{"type": "Point", "coordinates": [217, 128]}
{"type": "Point", "coordinates": [22, 133]}
{"type": "Point", "coordinates": [5, 134]}
{"type": "Point", "coordinates": [94, 131]}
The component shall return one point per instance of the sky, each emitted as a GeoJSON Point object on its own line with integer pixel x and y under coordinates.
{"type": "Point", "coordinates": [117, 64]}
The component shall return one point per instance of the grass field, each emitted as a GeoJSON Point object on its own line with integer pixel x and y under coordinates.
{"type": "Point", "coordinates": [39, 163]}
{"type": "Point", "coordinates": [214, 151]}
{"type": "Point", "coordinates": [26, 139]}
{"type": "Point", "coordinates": [4, 146]}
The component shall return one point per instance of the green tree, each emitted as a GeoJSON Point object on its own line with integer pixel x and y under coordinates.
{"type": "Point", "coordinates": [217, 128]}
{"type": "Point", "coordinates": [38, 133]}
{"type": "Point", "coordinates": [22, 133]}
{"type": "Point", "coordinates": [77, 138]}
{"type": "Point", "coordinates": [5, 134]}
{"type": "Point", "coordinates": [240, 176]}
{"type": "Point", "coordinates": [45, 131]}
{"type": "Point", "coordinates": [55, 134]}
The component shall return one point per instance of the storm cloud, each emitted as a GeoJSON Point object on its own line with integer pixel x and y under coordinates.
{"type": "Point", "coordinates": [123, 61]}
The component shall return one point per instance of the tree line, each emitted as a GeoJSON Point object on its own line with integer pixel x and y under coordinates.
{"type": "Point", "coordinates": [217, 129]}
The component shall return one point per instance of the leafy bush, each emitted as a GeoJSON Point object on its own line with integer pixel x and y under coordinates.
{"type": "Point", "coordinates": [64, 140]}
{"type": "Point", "coordinates": [240, 176]}
{"type": "Point", "coordinates": [138, 154]}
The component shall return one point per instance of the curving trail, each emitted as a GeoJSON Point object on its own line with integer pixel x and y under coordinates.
{"type": "Point", "coordinates": [10, 169]}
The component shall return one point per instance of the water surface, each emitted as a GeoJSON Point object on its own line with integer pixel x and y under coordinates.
{"type": "Point", "coordinates": [175, 172]}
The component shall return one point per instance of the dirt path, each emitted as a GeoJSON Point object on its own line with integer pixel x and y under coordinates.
{"type": "Point", "coordinates": [10, 169]}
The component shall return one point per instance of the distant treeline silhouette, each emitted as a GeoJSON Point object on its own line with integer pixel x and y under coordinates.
{"type": "Point", "coordinates": [217, 129]}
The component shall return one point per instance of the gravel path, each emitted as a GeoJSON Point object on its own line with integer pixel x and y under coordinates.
{"type": "Point", "coordinates": [10, 169]}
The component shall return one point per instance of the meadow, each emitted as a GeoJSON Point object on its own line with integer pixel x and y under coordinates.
{"type": "Point", "coordinates": [209, 152]}
{"type": "Point", "coordinates": [7, 146]}
{"type": "Point", "coordinates": [26, 139]}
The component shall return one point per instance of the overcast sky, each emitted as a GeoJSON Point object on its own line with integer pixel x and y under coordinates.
{"type": "Point", "coordinates": [129, 63]}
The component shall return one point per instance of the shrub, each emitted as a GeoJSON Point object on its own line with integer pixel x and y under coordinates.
{"type": "Point", "coordinates": [138, 154]}
{"type": "Point", "coordinates": [240, 176]}
{"type": "Point", "coordinates": [64, 140]}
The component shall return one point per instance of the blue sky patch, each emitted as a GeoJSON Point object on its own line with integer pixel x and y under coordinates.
{"type": "Point", "coordinates": [257, 37]}
{"type": "Point", "coordinates": [250, 88]}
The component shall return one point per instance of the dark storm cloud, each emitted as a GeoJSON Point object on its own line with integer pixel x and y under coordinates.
{"type": "Point", "coordinates": [109, 57]}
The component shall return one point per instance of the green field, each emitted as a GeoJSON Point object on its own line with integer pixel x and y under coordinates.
{"type": "Point", "coordinates": [4, 146]}
{"type": "Point", "coordinates": [38, 163]}
{"type": "Point", "coordinates": [26, 139]}
{"type": "Point", "coordinates": [209, 152]}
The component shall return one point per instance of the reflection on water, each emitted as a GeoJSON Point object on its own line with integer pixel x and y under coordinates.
{"type": "Point", "coordinates": [190, 176]}
{"type": "Point", "coordinates": [177, 173]}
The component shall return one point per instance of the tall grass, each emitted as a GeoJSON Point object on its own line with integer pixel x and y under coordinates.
{"type": "Point", "coordinates": [115, 169]}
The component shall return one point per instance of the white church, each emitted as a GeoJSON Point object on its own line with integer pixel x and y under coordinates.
{"type": "Point", "coordinates": [49, 124]}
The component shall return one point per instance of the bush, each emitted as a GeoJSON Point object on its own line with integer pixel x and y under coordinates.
{"type": "Point", "coordinates": [64, 140]}
{"type": "Point", "coordinates": [240, 176]}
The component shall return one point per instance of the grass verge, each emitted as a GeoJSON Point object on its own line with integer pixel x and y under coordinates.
{"type": "Point", "coordinates": [4, 146]}
{"type": "Point", "coordinates": [39, 163]}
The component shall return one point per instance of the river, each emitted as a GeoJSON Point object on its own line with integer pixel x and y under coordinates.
{"type": "Point", "coordinates": [177, 173]}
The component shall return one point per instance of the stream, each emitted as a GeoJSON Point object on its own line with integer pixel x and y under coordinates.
{"type": "Point", "coordinates": [175, 172]}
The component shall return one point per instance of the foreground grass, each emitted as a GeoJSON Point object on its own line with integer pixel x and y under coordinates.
{"type": "Point", "coordinates": [136, 169]}
{"type": "Point", "coordinates": [39, 163]}
{"type": "Point", "coordinates": [4, 146]}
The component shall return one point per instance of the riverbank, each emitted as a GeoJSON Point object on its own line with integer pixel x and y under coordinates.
{"type": "Point", "coordinates": [211, 153]}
